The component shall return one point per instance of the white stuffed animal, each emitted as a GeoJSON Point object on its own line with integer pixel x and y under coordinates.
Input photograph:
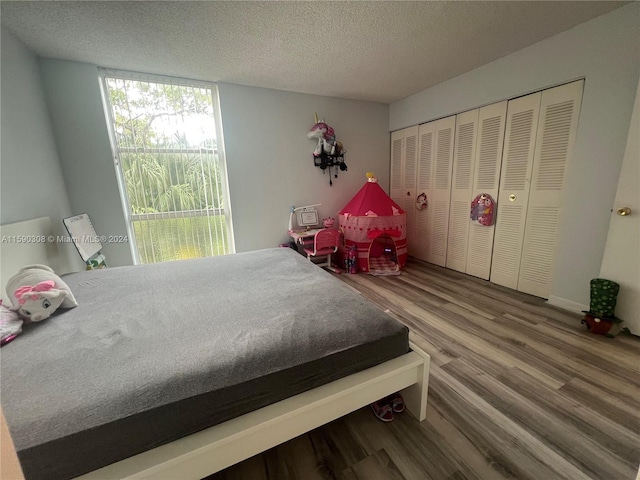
{"type": "Point", "coordinates": [10, 324]}
{"type": "Point", "coordinates": [36, 292]}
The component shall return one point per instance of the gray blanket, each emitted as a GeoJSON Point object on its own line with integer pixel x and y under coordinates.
{"type": "Point", "coordinates": [148, 336]}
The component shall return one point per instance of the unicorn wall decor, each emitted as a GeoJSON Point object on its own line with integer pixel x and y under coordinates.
{"type": "Point", "coordinates": [328, 153]}
{"type": "Point", "coordinates": [326, 138]}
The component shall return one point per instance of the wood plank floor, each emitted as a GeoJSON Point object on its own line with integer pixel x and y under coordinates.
{"type": "Point", "coordinates": [518, 389]}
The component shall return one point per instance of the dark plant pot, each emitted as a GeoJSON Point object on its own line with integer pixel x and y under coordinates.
{"type": "Point", "coordinates": [596, 324]}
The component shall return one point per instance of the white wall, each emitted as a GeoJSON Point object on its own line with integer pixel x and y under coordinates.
{"type": "Point", "coordinates": [73, 96]}
{"type": "Point", "coordinates": [31, 180]}
{"type": "Point", "coordinates": [606, 52]}
{"type": "Point", "coordinates": [621, 260]}
{"type": "Point", "coordinates": [269, 158]}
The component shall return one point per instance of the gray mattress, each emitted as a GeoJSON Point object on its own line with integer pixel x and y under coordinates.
{"type": "Point", "coordinates": [157, 352]}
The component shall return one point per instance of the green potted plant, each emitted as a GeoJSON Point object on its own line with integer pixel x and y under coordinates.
{"type": "Point", "coordinates": [600, 316]}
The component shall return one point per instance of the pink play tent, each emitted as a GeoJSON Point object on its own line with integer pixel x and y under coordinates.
{"type": "Point", "coordinates": [377, 226]}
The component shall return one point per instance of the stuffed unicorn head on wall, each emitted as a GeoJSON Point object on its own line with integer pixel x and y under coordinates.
{"type": "Point", "coordinates": [326, 137]}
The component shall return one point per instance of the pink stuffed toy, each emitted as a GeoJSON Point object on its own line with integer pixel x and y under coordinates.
{"type": "Point", "coordinates": [482, 209]}
{"type": "Point", "coordinates": [36, 292]}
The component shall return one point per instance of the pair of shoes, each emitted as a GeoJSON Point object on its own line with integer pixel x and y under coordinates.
{"type": "Point", "coordinates": [382, 410]}
{"type": "Point", "coordinates": [397, 403]}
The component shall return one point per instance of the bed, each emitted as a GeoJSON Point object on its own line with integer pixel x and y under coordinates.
{"type": "Point", "coordinates": [178, 370]}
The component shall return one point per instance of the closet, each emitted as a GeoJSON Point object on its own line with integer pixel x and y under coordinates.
{"type": "Point", "coordinates": [528, 246]}
{"type": "Point", "coordinates": [433, 179]}
{"type": "Point", "coordinates": [476, 171]}
{"type": "Point", "coordinates": [404, 145]}
{"type": "Point", "coordinates": [422, 229]}
{"type": "Point", "coordinates": [461, 180]}
{"type": "Point", "coordinates": [515, 152]}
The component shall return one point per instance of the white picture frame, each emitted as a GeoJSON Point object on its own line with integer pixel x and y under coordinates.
{"type": "Point", "coordinates": [83, 236]}
{"type": "Point", "coordinates": [308, 218]}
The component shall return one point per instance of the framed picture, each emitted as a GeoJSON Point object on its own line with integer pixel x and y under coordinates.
{"type": "Point", "coordinates": [83, 236]}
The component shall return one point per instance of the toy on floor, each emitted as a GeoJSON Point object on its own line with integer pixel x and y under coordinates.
{"type": "Point", "coordinates": [351, 261]}
{"type": "Point", "coordinates": [10, 324]}
{"type": "Point", "coordinates": [36, 292]}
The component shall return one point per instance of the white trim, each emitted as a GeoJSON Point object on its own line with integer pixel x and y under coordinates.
{"type": "Point", "coordinates": [155, 78]}
{"type": "Point", "coordinates": [221, 446]}
{"type": "Point", "coordinates": [567, 304]}
{"type": "Point", "coordinates": [122, 187]}
{"type": "Point", "coordinates": [222, 163]}
{"type": "Point", "coordinates": [203, 212]}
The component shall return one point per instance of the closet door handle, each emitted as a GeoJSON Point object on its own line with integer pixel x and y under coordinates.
{"type": "Point", "coordinates": [624, 211]}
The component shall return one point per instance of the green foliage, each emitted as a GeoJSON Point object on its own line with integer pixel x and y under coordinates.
{"type": "Point", "coordinates": [180, 238]}
{"type": "Point", "coordinates": [157, 178]}
{"type": "Point", "coordinates": [139, 106]}
{"type": "Point", "coordinates": [171, 182]}
{"type": "Point", "coordinates": [165, 169]}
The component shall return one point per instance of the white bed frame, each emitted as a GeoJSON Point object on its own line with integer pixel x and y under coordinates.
{"type": "Point", "coordinates": [223, 445]}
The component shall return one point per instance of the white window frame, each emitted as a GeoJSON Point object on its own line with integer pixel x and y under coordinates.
{"type": "Point", "coordinates": [220, 150]}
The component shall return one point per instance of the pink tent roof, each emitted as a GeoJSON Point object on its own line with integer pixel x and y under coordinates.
{"type": "Point", "coordinates": [371, 197]}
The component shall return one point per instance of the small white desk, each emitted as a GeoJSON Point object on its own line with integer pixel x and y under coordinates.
{"type": "Point", "coordinates": [303, 237]}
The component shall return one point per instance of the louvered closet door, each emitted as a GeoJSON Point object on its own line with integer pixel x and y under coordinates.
{"type": "Point", "coordinates": [444, 136]}
{"type": "Point", "coordinates": [426, 134]}
{"type": "Point", "coordinates": [409, 164]}
{"type": "Point", "coordinates": [557, 126]}
{"type": "Point", "coordinates": [395, 189]}
{"type": "Point", "coordinates": [513, 195]}
{"type": "Point", "coordinates": [461, 185]}
{"type": "Point", "coordinates": [486, 177]}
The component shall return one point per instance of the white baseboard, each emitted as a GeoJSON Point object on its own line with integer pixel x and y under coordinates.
{"type": "Point", "coordinates": [567, 304]}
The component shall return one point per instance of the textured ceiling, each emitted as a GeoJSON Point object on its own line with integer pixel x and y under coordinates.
{"type": "Point", "coordinates": [378, 51]}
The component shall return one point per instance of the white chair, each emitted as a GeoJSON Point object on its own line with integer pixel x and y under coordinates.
{"type": "Point", "coordinates": [325, 242]}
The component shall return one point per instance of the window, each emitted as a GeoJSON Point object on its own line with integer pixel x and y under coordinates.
{"type": "Point", "coordinates": [167, 143]}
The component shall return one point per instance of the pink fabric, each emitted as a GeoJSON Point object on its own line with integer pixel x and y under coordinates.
{"type": "Point", "coordinates": [22, 293]}
{"type": "Point", "coordinates": [361, 230]}
{"type": "Point", "coordinates": [372, 198]}
{"type": "Point", "coordinates": [377, 232]}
